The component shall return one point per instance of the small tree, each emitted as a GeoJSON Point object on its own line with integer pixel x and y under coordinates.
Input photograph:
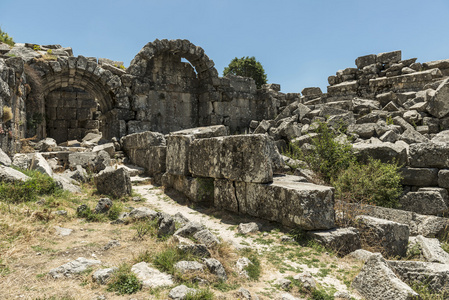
{"type": "Point", "coordinates": [247, 67]}
{"type": "Point", "coordinates": [5, 38]}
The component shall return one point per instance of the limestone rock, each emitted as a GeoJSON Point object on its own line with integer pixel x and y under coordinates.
{"type": "Point", "coordinates": [433, 275]}
{"type": "Point", "coordinates": [377, 281]}
{"type": "Point", "coordinates": [207, 238]}
{"type": "Point", "coordinates": [215, 267]}
{"type": "Point", "coordinates": [8, 174]}
{"type": "Point", "coordinates": [360, 254]}
{"type": "Point", "coordinates": [74, 267]}
{"type": "Point", "coordinates": [66, 184]}
{"type": "Point", "coordinates": [245, 228]}
{"type": "Point", "coordinates": [419, 176]}
{"type": "Point", "coordinates": [189, 229]}
{"type": "Point", "coordinates": [188, 266]}
{"type": "Point", "coordinates": [166, 225]}
{"type": "Point", "coordinates": [90, 161]}
{"type": "Point", "coordinates": [429, 155]}
{"type": "Point", "coordinates": [39, 164]}
{"type": "Point", "coordinates": [195, 249]}
{"type": "Point", "coordinates": [180, 292]}
{"type": "Point", "coordinates": [390, 237]}
{"type": "Point", "coordinates": [103, 206]}
{"type": "Point", "coordinates": [431, 250]}
{"type": "Point", "coordinates": [341, 240]}
{"type": "Point", "coordinates": [5, 160]}
{"type": "Point", "coordinates": [150, 277]}
{"type": "Point", "coordinates": [102, 276]}
{"type": "Point", "coordinates": [438, 105]}
{"type": "Point", "coordinates": [286, 200]}
{"type": "Point", "coordinates": [424, 202]}
{"type": "Point", "coordinates": [385, 152]}
{"type": "Point", "coordinates": [46, 145]}
{"type": "Point", "coordinates": [113, 182]}
{"type": "Point", "coordinates": [306, 279]}
{"type": "Point", "coordinates": [140, 213]}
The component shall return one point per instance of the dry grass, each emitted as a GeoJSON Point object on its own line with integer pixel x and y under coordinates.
{"type": "Point", "coordinates": [7, 114]}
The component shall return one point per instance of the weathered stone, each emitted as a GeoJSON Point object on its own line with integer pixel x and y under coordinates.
{"type": "Point", "coordinates": [245, 158]}
{"type": "Point", "coordinates": [39, 164]}
{"type": "Point", "coordinates": [102, 276]}
{"type": "Point", "coordinates": [411, 136]}
{"type": "Point", "coordinates": [283, 283]}
{"type": "Point", "coordinates": [73, 267]}
{"type": "Point", "coordinates": [90, 161]}
{"type": "Point", "coordinates": [215, 267]}
{"type": "Point", "coordinates": [429, 155]}
{"type": "Point", "coordinates": [366, 60]}
{"type": "Point", "coordinates": [63, 231]}
{"type": "Point", "coordinates": [188, 266]}
{"type": "Point", "coordinates": [8, 174]}
{"type": "Point", "coordinates": [389, 137]}
{"type": "Point", "coordinates": [5, 159]}
{"type": "Point", "coordinates": [428, 226]}
{"type": "Point", "coordinates": [285, 200]}
{"type": "Point", "coordinates": [361, 254]}
{"type": "Point", "coordinates": [197, 189]}
{"type": "Point", "coordinates": [263, 127]}
{"type": "Point", "coordinates": [66, 184]}
{"type": "Point", "coordinates": [431, 250]}
{"type": "Point", "coordinates": [365, 131]}
{"type": "Point", "coordinates": [433, 275]}
{"type": "Point", "coordinates": [195, 249]}
{"type": "Point", "coordinates": [389, 237]}
{"type": "Point", "coordinates": [150, 277]}
{"type": "Point", "coordinates": [388, 57]}
{"type": "Point", "coordinates": [385, 152]}
{"type": "Point", "coordinates": [424, 202]}
{"type": "Point", "coordinates": [103, 206]}
{"type": "Point", "coordinates": [143, 213]}
{"type": "Point", "coordinates": [245, 228]}
{"type": "Point", "coordinates": [166, 225]}
{"type": "Point", "coordinates": [114, 182]}
{"type": "Point", "coordinates": [207, 238]}
{"type": "Point", "coordinates": [306, 280]}
{"type": "Point", "coordinates": [438, 105]}
{"type": "Point", "coordinates": [180, 292]}
{"type": "Point", "coordinates": [341, 240]}
{"type": "Point", "coordinates": [45, 145]}
{"type": "Point", "coordinates": [419, 176]}
{"type": "Point", "coordinates": [189, 229]}
{"type": "Point", "coordinates": [377, 281]}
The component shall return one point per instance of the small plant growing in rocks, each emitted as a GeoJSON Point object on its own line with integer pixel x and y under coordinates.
{"type": "Point", "coordinates": [123, 281]}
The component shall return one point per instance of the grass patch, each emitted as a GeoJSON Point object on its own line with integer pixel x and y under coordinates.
{"type": "Point", "coordinates": [202, 294]}
{"type": "Point", "coordinates": [123, 281]}
{"type": "Point", "coordinates": [19, 192]}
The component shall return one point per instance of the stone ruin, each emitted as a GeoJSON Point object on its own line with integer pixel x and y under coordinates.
{"type": "Point", "coordinates": [176, 121]}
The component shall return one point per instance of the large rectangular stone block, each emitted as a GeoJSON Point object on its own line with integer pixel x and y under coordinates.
{"type": "Point", "coordinates": [178, 146]}
{"type": "Point", "coordinates": [247, 158]}
{"type": "Point", "coordinates": [197, 189]}
{"type": "Point", "coordinates": [292, 203]}
{"type": "Point", "coordinates": [429, 155]}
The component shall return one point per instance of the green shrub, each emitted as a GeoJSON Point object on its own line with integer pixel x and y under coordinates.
{"type": "Point", "coordinates": [375, 183]}
{"type": "Point", "coordinates": [5, 38]}
{"type": "Point", "coordinates": [18, 192]}
{"type": "Point", "coordinates": [123, 281]}
{"type": "Point", "coordinates": [329, 156]}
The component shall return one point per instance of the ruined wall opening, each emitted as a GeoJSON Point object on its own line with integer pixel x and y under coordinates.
{"type": "Point", "coordinates": [71, 113]}
{"type": "Point", "coordinates": [173, 104]}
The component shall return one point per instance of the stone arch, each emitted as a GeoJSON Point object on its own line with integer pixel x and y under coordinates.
{"type": "Point", "coordinates": [79, 73]}
{"type": "Point", "coordinates": [204, 66]}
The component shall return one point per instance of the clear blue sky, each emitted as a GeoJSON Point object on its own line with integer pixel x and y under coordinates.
{"type": "Point", "coordinates": [299, 43]}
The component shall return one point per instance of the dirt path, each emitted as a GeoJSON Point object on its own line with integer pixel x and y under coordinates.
{"type": "Point", "coordinates": [224, 225]}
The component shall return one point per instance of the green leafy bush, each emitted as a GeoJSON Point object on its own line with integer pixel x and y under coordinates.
{"type": "Point", "coordinates": [5, 38]}
{"type": "Point", "coordinates": [123, 281]}
{"type": "Point", "coordinates": [17, 192]}
{"type": "Point", "coordinates": [335, 163]}
{"type": "Point", "coordinates": [247, 67]}
{"type": "Point", "coordinates": [328, 157]}
{"type": "Point", "coordinates": [375, 183]}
